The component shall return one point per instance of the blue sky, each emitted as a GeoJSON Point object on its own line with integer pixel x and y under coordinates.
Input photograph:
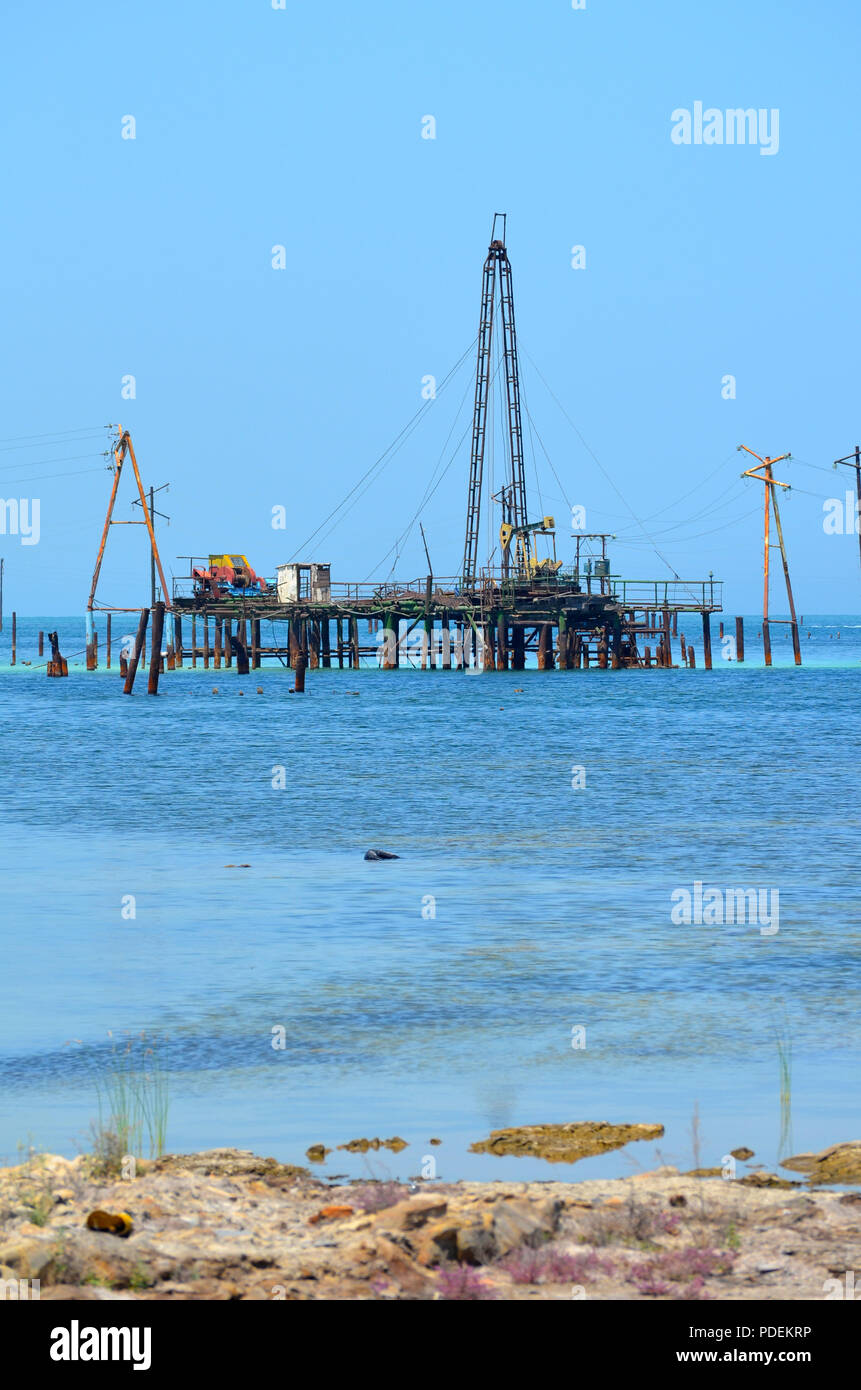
{"type": "Point", "coordinates": [302, 127]}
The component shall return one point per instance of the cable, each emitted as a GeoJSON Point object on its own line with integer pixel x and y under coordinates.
{"type": "Point", "coordinates": [395, 444]}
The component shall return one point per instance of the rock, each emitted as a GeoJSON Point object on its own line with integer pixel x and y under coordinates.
{"type": "Point", "coordinates": [839, 1163]}
{"type": "Point", "coordinates": [742, 1154]}
{"type": "Point", "coordinates": [678, 1199]}
{"type": "Point", "coordinates": [331, 1213]}
{"type": "Point", "coordinates": [703, 1173]}
{"type": "Point", "coordinates": [434, 1141]}
{"type": "Point", "coordinates": [380, 853]}
{"type": "Point", "coordinates": [410, 1214]}
{"type": "Point", "coordinates": [361, 1146]}
{"type": "Point", "coordinates": [30, 1259]}
{"type": "Point", "coordinates": [317, 1153]}
{"type": "Point", "coordinates": [227, 1163]}
{"type": "Point", "coordinates": [564, 1143]}
{"type": "Point", "coordinates": [117, 1223]}
{"type": "Point", "coordinates": [766, 1180]}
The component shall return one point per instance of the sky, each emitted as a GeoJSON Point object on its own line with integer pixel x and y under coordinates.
{"type": "Point", "coordinates": [267, 379]}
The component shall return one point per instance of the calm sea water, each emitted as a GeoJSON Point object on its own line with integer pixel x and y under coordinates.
{"type": "Point", "coordinates": [552, 905]}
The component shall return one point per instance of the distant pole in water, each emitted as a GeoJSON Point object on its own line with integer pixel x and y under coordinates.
{"type": "Point", "coordinates": [14, 634]}
{"type": "Point", "coordinates": [739, 639]}
{"type": "Point", "coordinates": [763, 473]}
{"type": "Point", "coordinates": [853, 461]}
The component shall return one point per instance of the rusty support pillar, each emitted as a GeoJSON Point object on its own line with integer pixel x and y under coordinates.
{"type": "Point", "coordinates": [228, 642]}
{"type": "Point", "coordinates": [57, 666]}
{"type": "Point", "coordinates": [518, 647]}
{"type": "Point", "coordinates": [501, 642]}
{"type": "Point", "coordinates": [325, 643]}
{"type": "Point", "coordinates": [739, 639]}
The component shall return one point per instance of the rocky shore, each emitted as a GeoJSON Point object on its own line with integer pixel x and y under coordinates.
{"type": "Point", "coordinates": [227, 1224]}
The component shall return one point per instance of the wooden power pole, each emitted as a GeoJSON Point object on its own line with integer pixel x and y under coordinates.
{"type": "Point", "coordinates": [763, 472]}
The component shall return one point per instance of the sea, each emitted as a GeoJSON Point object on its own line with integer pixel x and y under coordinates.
{"type": "Point", "coordinates": [183, 885]}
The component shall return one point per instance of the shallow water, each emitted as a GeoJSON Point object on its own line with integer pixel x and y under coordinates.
{"type": "Point", "coordinates": [552, 905]}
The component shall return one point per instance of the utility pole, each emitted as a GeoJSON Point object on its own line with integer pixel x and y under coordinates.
{"type": "Point", "coordinates": [152, 516]}
{"type": "Point", "coordinates": [849, 460]}
{"type": "Point", "coordinates": [762, 471]}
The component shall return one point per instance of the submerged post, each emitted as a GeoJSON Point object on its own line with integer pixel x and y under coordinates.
{"type": "Point", "coordinates": [707, 642]}
{"type": "Point", "coordinates": [57, 666]}
{"type": "Point", "coordinates": [140, 638]}
{"type": "Point", "coordinates": [155, 659]}
{"type": "Point", "coordinates": [739, 639]}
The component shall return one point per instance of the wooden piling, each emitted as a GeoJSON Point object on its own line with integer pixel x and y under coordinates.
{"type": "Point", "coordinates": [205, 639]}
{"type": "Point", "coordinates": [193, 640]}
{"type": "Point", "coordinates": [354, 643]}
{"type": "Point", "coordinates": [124, 665]}
{"type": "Point", "coordinates": [255, 643]}
{"type": "Point", "coordinates": [739, 639]}
{"type": "Point", "coordinates": [692, 661]}
{"type": "Point", "coordinates": [42, 643]}
{"type": "Point", "coordinates": [766, 643]}
{"type": "Point", "coordinates": [219, 640]}
{"type": "Point", "coordinates": [14, 636]}
{"type": "Point", "coordinates": [108, 643]}
{"type": "Point", "coordinates": [155, 648]}
{"type": "Point", "coordinates": [647, 656]}
{"type": "Point", "coordinates": [228, 642]}
{"type": "Point", "coordinates": [325, 640]}
{"type": "Point", "coordinates": [299, 679]}
{"type": "Point", "coordinates": [707, 642]}
{"type": "Point", "coordinates": [140, 639]}
{"type": "Point", "coordinates": [177, 637]}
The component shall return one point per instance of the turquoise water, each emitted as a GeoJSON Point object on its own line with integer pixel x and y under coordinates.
{"type": "Point", "coordinates": [552, 905]}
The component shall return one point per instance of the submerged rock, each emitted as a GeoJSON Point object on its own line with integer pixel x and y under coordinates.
{"type": "Point", "coordinates": [564, 1143]}
{"type": "Point", "coordinates": [380, 854]}
{"type": "Point", "coordinates": [361, 1146]}
{"type": "Point", "coordinates": [839, 1163]}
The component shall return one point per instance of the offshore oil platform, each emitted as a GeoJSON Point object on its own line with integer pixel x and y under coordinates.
{"type": "Point", "coordinates": [488, 616]}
